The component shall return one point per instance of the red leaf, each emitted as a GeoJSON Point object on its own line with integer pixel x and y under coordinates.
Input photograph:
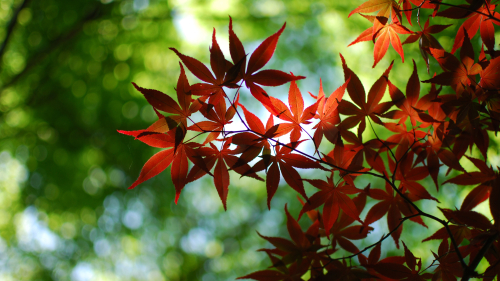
{"type": "Point", "coordinates": [410, 258]}
{"type": "Point", "coordinates": [264, 52]}
{"type": "Point", "coordinates": [235, 47]}
{"type": "Point", "coordinates": [388, 34]}
{"type": "Point", "coordinates": [159, 100]}
{"type": "Point", "coordinates": [196, 67]}
{"type": "Point", "coordinates": [179, 171]}
{"type": "Point", "coordinates": [271, 77]}
{"type": "Point", "coordinates": [475, 197]}
{"type": "Point", "coordinates": [272, 182]}
{"type": "Point", "coordinates": [383, 7]}
{"type": "Point", "coordinates": [217, 60]}
{"type": "Point", "coordinates": [495, 201]}
{"type": "Point", "coordinates": [155, 165]}
{"type": "Point", "coordinates": [295, 230]}
{"type": "Point", "coordinates": [221, 180]}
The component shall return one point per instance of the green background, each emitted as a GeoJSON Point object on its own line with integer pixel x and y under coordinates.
{"type": "Point", "coordinates": [65, 88]}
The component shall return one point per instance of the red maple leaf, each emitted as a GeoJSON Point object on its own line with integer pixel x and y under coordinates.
{"type": "Point", "coordinates": [348, 162]}
{"type": "Point", "coordinates": [393, 205]}
{"type": "Point", "coordinates": [458, 74]}
{"type": "Point", "coordinates": [383, 34]}
{"type": "Point", "coordinates": [284, 163]}
{"type": "Point", "coordinates": [373, 108]}
{"type": "Point", "coordinates": [177, 156]}
{"type": "Point", "coordinates": [410, 106]}
{"type": "Point", "coordinates": [296, 115]}
{"type": "Point", "coordinates": [259, 59]}
{"type": "Point", "coordinates": [383, 7]}
{"type": "Point", "coordinates": [300, 252]}
{"type": "Point", "coordinates": [409, 175]}
{"type": "Point", "coordinates": [218, 115]}
{"type": "Point", "coordinates": [334, 197]}
{"type": "Point", "coordinates": [223, 159]}
{"type": "Point", "coordinates": [328, 114]}
{"type": "Point", "coordinates": [181, 109]}
{"type": "Point", "coordinates": [374, 259]}
{"type": "Point", "coordinates": [412, 270]}
{"type": "Point", "coordinates": [227, 74]}
{"type": "Point", "coordinates": [476, 12]}
{"type": "Point", "coordinates": [426, 40]}
{"type": "Point", "coordinates": [343, 232]}
{"type": "Point", "coordinates": [449, 267]}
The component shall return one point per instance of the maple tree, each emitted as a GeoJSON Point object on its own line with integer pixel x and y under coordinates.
{"type": "Point", "coordinates": [429, 132]}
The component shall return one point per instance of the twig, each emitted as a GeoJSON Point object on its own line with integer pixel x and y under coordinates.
{"type": "Point", "coordinates": [41, 55]}
{"type": "Point", "coordinates": [465, 8]}
{"type": "Point", "coordinates": [10, 28]}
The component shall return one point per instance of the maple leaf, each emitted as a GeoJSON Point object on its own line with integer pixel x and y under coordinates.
{"type": "Point", "coordinates": [259, 58]}
{"type": "Point", "coordinates": [383, 34]}
{"type": "Point", "coordinates": [426, 41]}
{"type": "Point", "coordinates": [459, 233]}
{"type": "Point", "coordinates": [338, 271]}
{"type": "Point", "coordinates": [181, 110]}
{"type": "Point", "coordinates": [296, 115]}
{"type": "Point", "coordinates": [253, 143]}
{"type": "Point", "coordinates": [348, 162]}
{"type": "Point", "coordinates": [328, 114]}
{"type": "Point", "coordinates": [412, 270]}
{"type": "Point", "coordinates": [299, 252]}
{"type": "Point", "coordinates": [477, 20]}
{"type": "Point", "coordinates": [403, 138]}
{"type": "Point", "coordinates": [449, 268]}
{"type": "Point", "coordinates": [373, 108]}
{"type": "Point", "coordinates": [383, 7]}
{"type": "Point", "coordinates": [334, 198]}
{"type": "Point", "coordinates": [458, 74]}
{"type": "Point", "coordinates": [468, 130]}
{"type": "Point", "coordinates": [227, 74]}
{"type": "Point", "coordinates": [177, 156]}
{"type": "Point", "coordinates": [370, 150]}
{"type": "Point", "coordinates": [484, 176]}
{"type": "Point", "coordinates": [434, 152]}
{"type": "Point", "coordinates": [393, 206]}
{"type": "Point", "coordinates": [159, 134]}
{"type": "Point", "coordinates": [284, 162]}
{"type": "Point", "coordinates": [409, 175]}
{"type": "Point", "coordinates": [220, 66]}
{"type": "Point", "coordinates": [410, 105]}
{"type": "Point", "coordinates": [471, 219]}
{"type": "Point", "coordinates": [490, 75]}
{"type": "Point", "coordinates": [343, 232]}
{"type": "Point", "coordinates": [374, 259]}
{"type": "Point", "coordinates": [222, 159]}
{"type": "Point", "coordinates": [218, 115]}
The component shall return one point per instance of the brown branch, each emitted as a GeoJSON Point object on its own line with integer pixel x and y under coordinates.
{"type": "Point", "coordinates": [10, 28]}
{"type": "Point", "coordinates": [467, 9]}
{"type": "Point", "coordinates": [44, 53]}
{"type": "Point", "coordinates": [382, 239]}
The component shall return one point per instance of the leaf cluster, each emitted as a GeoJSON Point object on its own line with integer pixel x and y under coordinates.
{"type": "Point", "coordinates": [429, 132]}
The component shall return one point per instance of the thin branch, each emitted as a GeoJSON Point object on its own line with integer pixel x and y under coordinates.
{"type": "Point", "coordinates": [54, 45]}
{"type": "Point", "coordinates": [10, 28]}
{"type": "Point", "coordinates": [382, 239]}
{"type": "Point", "coordinates": [467, 9]}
